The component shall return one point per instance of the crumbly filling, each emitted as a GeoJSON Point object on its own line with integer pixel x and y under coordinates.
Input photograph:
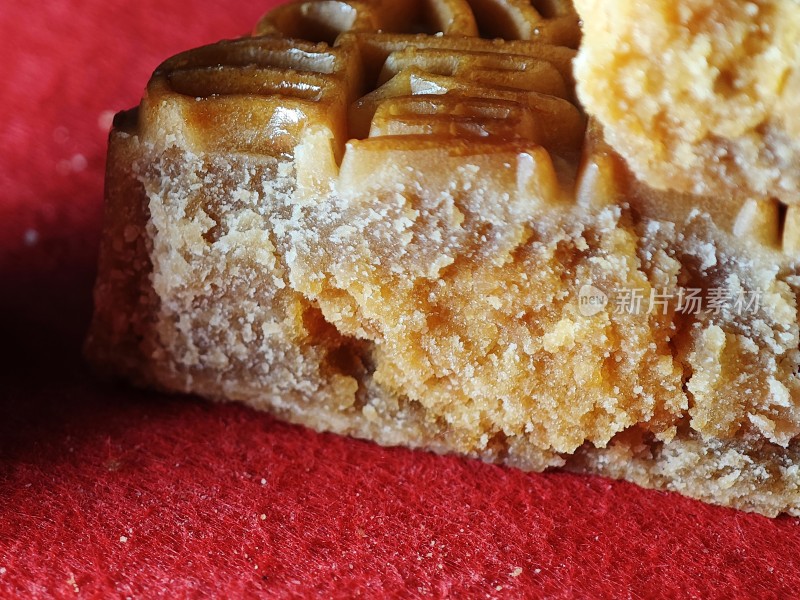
{"type": "Point", "coordinates": [463, 299]}
{"type": "Point", "coordinates": [699, 96]}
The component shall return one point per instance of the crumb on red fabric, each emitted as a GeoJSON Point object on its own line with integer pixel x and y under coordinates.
{"type": "Point", "coordinates": [106, 491]}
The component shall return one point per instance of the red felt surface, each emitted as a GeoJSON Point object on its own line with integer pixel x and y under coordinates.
{"type": "Point", "coordinates": [105, 491]}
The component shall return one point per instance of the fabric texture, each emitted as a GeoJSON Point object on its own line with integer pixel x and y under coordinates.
{"type": "Point", "coordinates": [111, 492]}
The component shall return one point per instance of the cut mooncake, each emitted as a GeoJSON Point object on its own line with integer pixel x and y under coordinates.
{"type": "Point", "coordinates": [395, 221]}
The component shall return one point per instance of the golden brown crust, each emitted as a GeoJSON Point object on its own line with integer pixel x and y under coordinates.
{"type": "Point", "coordinates": [392, 237]}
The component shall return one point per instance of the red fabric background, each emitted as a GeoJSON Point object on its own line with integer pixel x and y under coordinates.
{"type": "Point", "coordinates": [107, 491]}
